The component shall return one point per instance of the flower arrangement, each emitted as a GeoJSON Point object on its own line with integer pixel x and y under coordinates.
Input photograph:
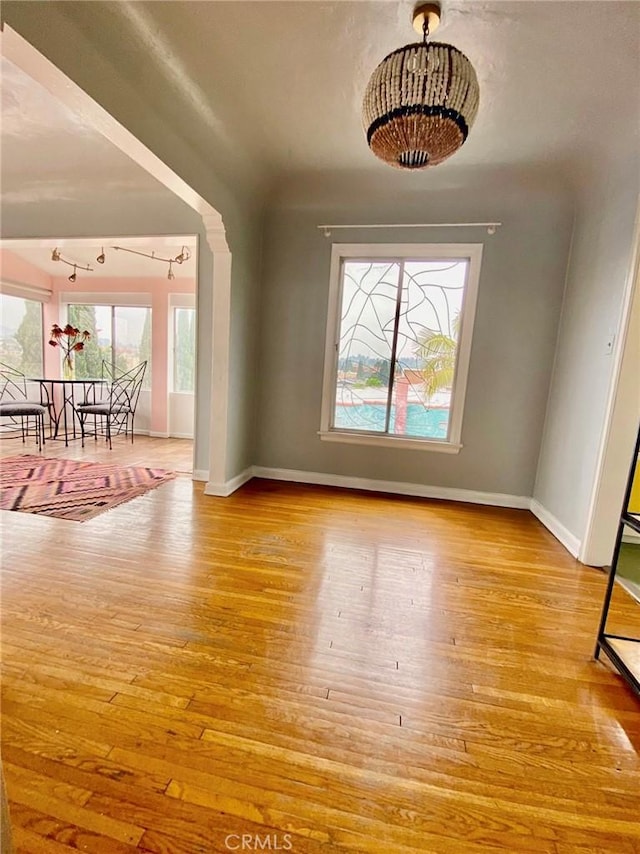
{"type": "Point", "coordinates": [70, 340]}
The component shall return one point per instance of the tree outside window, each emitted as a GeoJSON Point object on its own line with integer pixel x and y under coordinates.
{"type": "Point", "coordinates": [184, 333]}
{"type": "Point", "coordinates": [88, 362]}
{"type": "Point", "coordinates": [21, 335]}
{"type": "Point", "coordinates": [120, 336]}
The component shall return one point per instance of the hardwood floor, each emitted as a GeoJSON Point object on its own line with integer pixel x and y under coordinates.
{"type": "Point", "coordinates": [312, 670]}
{"type": "Point", "coordinates": [174, 454]}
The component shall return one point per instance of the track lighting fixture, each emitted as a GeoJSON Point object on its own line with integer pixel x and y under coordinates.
{"type": "Point", "coordinates": [180, 258]}
{"type": "Point", "coordinates": [57, 256]}
{"type": "Point", "coordinates": [183, 256]}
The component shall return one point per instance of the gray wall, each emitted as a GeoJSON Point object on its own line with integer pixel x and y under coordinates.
{"type": "Point", "coordinates": [519, 301]}
{"type": "Point", "coordinates": [243, 355]}
{"type": "Point", "coordinates": [598, 268]}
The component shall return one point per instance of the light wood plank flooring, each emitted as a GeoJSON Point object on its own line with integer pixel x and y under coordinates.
{"type": "Point", "coordinates": [174, 454]}
{"type": "Point", "coordinates": [312, 670]}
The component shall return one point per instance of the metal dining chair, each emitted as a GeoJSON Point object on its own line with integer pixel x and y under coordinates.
{"type": "Point", "coordinates": [115, 414]}
{"type": "Point", "coordinates": [18, 409]}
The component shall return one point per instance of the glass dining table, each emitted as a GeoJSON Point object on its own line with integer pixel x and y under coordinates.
{"type": "Point", "coordinates": [61, 397]}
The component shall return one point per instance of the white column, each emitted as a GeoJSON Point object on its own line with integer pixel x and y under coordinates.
{"type": "Point", "coordinates": [221, 328]}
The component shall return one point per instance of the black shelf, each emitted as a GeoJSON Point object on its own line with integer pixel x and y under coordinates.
{"type": "Point", "coordinates": [632, 520]}
{"type": "Point", "coordinates": [623, 652]}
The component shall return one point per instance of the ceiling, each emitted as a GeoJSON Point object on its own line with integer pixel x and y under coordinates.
{"type": "Point", "coordinates": [280, 85]}
{"type": "Point", "coordinates": [284, 80]}
{"type": "Point", "coordinates": [49, 152]}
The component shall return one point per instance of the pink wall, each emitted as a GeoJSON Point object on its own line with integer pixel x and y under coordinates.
{"type": "Point", "coordinates": [16, 269]}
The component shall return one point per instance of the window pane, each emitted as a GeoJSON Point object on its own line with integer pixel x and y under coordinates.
{"type": "Point", "coordinates": [96, 319]}
{"type": "Point", "coordinates": [133, 339]}
{"type": "Point", "coordinates": [184, 336]}
{"type": "Point", "coordinates": [427, 347]}
{"type": "Point", "coordinates": [21, 337]}
{"type": "Point", "coordinates": [399, 343]}
{"type": "Point", "coordinates": [368, 311]}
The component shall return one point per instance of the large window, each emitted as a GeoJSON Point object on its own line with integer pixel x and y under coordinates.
{"type": "Point", "coordinates": [21, 336]}
{"type": "Point", "coordinates": [184, 336]}
{"type": "Point", "coordinates": [120, 335]}
{"type": "Point", "coordinates": [398, 344]}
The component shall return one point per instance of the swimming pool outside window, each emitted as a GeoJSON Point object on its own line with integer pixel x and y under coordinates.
{"type": "Point", "coordinates": [398, 343]}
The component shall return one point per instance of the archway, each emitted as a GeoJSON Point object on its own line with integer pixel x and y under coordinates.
{"type": "Point", "coordinates": [22, 54]}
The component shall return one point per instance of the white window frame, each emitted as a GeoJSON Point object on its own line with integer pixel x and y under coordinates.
{"type": "Point", "coordinates": [179, 301]}
{"type": "Point", "coordinates": [405, 252]}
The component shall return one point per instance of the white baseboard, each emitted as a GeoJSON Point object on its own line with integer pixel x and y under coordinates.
{"type": "Point", "coordinates": [200, 474]}
{"type": "Point", "coordinates": [631, 537]}
{"type": "Point", "coordinates": [225, 489]}
{"type": "Point", "coordinates": [568, 540]}
{"type": "Point", "coordinates": [180, 435]}
{"type": "Point", "coordinates": [496, 499]}
{"type": "Point", "coordinates": [155, 435]}
{"type": "Point", "coordinates": [493, 499]}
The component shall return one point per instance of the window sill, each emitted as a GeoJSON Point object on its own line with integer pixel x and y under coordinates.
{"type": "Point", "coordinates": [390, 442]}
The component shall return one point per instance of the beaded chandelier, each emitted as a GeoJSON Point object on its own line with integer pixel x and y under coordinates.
{"type": "Point", "coordinates": [421, 101]}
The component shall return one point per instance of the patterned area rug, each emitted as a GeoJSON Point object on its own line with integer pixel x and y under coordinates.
{"type": "Point", "coordinates": [68, 489]}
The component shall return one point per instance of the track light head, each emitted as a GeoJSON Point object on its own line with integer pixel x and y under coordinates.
{"type": "Point", "coordinates": [183, 256]}
{"type": "Point", "coordinates": [56, 255]}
